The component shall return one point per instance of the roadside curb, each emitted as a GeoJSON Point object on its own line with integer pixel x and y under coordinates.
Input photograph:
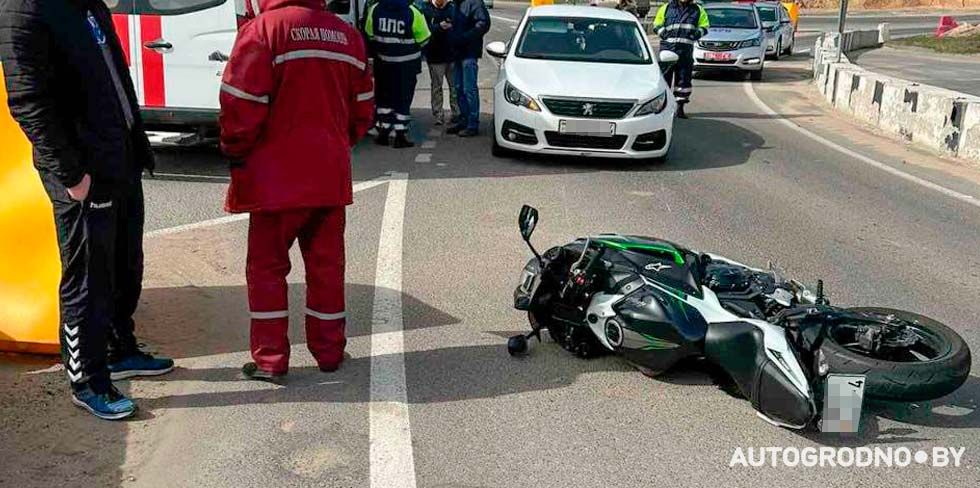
{"type": "Point", "coordinates": [939, 119]}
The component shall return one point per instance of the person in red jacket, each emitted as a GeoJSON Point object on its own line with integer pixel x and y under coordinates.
{"type": "Point", "coordinates": [296, 95]}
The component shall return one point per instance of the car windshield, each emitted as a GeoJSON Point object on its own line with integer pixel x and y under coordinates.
{"type": "Point", "coordinates": [767, 14]}
{"type": "Point", "coordinates": [583, 39]}
{"type": "Point", "coordinates": [732, 18]}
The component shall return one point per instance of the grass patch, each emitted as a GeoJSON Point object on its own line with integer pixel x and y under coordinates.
{"type": "Point", "coordinates": [947, 45]}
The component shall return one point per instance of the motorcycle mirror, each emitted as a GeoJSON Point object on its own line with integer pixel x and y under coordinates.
{"type": "Point", "coordinates": [527, 220]}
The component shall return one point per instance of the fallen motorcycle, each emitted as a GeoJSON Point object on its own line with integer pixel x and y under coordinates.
{"type": "Point", "coordinates": [801, 362]}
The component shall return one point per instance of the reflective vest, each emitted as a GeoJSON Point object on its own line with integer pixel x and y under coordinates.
{"type": "Point", "coordinates": [397, 31]}
{"type": "Point", "coordinates": [680, 24]}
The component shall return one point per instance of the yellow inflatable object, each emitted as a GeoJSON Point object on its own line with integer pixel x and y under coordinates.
{"type": "Point", "coordinates": [793, 8]}
{"type": "Point", "coordinates": [30, 268]}
{"type": "Point", "coordinates": [537, 3]}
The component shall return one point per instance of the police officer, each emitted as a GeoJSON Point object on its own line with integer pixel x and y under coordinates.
{"type": "Point", "coordinates": [680, 23]}
{"type": "Point", "coordinates": [396, 31]}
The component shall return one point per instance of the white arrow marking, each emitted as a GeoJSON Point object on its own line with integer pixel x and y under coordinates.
{"type": "Point", "coordinates": [72, 343]}
{"type": "Point", "coordinates": [73, 353]}
{"type": "Point", "coordinates": [71, 332]}
{"type": "Point", "coordinates": [74, 365]}
{"type": "Point", "coordinates": [74, 377]}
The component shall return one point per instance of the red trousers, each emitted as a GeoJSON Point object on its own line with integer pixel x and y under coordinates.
{"type": "Point", "coordinates": [320, 232]}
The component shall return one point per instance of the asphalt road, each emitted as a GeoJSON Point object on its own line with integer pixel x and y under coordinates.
{"type": "Point", "coordinates": [443, 244]}
{"type": "Point", "coordinates": [958, 73]}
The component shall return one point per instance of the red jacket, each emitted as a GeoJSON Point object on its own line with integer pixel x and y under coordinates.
{"type": "Point", "coordinates": [296, 95]}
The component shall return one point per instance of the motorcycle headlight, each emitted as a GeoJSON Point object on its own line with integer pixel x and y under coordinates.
{"type": "Point", "coordinates": [654, 106]}
{"type": "Point", "coordinates": [752, 42]}
{"type": "Point", "coordinates": [519, 98]}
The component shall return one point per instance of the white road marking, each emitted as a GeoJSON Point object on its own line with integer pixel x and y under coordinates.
{"type": "Point", "coordinates": [750, 91]}
{"type": "Point", "coordinates": [360, 186]}
{"type": "Point", "coordinates": [430, 144]}
{"type": "Point", "coordinates": [391, 458]}
{"type": "Point", "coordinates": [423, 158]}
{"type": "Point", "coordinates": [801, 51]}
{"type": "Point", "coordinates": [505, 19]}
{"type": "Point", "coordinates": [191, 177]}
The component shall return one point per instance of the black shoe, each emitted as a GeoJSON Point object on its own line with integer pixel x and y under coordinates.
{"type": "Point", "coordinates": [402, 141]}
{"type": "Point", "coordinates": [680, 112]}
{"type": "Point", "coordinates": [383, 138]}
{"type": "Point", "coordinates": [251, 371]}
{"type": "Point", "coordinates": [468, 133]}
{"type": "Point", "coordinates": [454, 129]}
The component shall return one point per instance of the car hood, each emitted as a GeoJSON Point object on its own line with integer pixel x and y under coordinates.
{"type": "Point", "coordinates": [724, 34]}
{"type": "Point", "coordinates": [539, 77]}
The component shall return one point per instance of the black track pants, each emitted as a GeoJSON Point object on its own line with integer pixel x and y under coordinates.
{"type": "Point", "coordinates": [394, 90]}
{"type": "Point", "coordinates": [101, 244]}
{"type": "Point", "coordinates": [679, 76]}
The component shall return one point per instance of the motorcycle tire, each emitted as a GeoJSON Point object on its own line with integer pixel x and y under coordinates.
{"type": "Point", "coordinates": [905, 381]}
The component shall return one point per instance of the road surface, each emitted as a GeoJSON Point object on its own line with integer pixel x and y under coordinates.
{"type": "Point", "coordinates": [433, 250]}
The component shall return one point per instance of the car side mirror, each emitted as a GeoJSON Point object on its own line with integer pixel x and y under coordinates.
{"type": "Point", "coordinates": [527, 220]}
{"type": "Point", "coordinates": [497, 49]}
{"type": "Point", "coordinates": [667, 59]}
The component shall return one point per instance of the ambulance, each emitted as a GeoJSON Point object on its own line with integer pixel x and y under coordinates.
{"type": "Point", "coordinates": [176, 51]}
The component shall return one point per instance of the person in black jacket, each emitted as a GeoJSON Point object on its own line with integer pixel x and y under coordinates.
{"type": "Point", "coordinates": [439, 56]}
{"type": "Point", "coordinates": [471, 24]}
{"type": "Point", "coordinates": [70, 90]}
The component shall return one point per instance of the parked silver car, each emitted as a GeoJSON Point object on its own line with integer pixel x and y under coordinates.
{"type": "Point", "coordinates": [780, 33]}
{"type": "Point", "coordinates": [735, 40]}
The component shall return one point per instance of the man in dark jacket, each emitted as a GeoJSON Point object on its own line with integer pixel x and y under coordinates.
{"type": "Point", "coordinates": [471, 24]}
{"type": "Point", "coordinates": [70, 91]}
{"type": "Point", "coordinates": [439, 56]}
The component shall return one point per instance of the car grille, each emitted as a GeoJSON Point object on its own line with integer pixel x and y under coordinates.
{"type": "Point", "coordinates": [719, 45]}
{"type": "Point", "coordinates": [584, 142]}
{"type": "Point", "coordinates": [588, 109]}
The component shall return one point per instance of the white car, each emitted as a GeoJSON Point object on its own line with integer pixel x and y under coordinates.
{"type": "Point", "coordinates": [579, 80]}
{"type": "Point", "coordinates": [780, 33]}
{"type": "Point", "coordinates": [735, 40]}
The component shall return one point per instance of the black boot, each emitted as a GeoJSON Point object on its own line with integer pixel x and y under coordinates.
{"type": "Point", "coordinates": [401, 140]}
{"type": "Point", "coordinates": [383, 138]}
{"type": "Point", "coordinates": [680, 111]}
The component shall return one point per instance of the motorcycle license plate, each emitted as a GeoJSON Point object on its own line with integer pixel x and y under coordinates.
{"type": "Point", "coordinates": [598, 128]}
{"type": "Point", "coordinates": [843, 399]}
{"type": "Point", "coordinates": [713, 56]}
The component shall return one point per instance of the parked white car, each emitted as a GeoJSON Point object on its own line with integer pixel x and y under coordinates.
{"type": "Point", "coordinates": [780, 33]}
{"type": "Point", "coordinates": [735, 40]}
{"type": "Point", "coordinates": [579, 80]}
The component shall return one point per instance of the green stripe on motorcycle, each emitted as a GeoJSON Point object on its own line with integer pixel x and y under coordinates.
{"type": "Point", "coordinates": [656, 343]}
{"type": "Point", "coordinates": [630, 246]}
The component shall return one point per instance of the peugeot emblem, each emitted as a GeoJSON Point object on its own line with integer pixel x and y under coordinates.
{"type": "Point", "coordinates": [588, 108]}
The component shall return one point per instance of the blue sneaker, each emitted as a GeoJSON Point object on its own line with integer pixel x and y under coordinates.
{"type": "Point", "coordinates": [140, 364]}
{"type": "Point", "coordinates": [111, 405]}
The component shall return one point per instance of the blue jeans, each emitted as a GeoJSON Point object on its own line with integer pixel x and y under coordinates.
{"type": "Point", "coordinates": [465, 74]}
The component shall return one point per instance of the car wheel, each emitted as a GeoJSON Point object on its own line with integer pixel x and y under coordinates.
{"type": "Point", "coordinates": [756, 75]}
{"type": "Point", "coordinates": [778, 51]}
{"type": "Point", "coordinates": [497, 150]}
{"type": "Point", "coordinates": [789, 49]}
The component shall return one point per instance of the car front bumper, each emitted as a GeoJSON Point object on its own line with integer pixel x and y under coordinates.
{"type": "Point", "coordinates": [521, 129]}
{"type": "Point", "coordinates": [745, 59]}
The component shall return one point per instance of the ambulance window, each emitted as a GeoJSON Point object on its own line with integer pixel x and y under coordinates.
{"type": "Point", "coordinates": [119, 6]}
{"type": "Point", "coordinates": [174, 7]}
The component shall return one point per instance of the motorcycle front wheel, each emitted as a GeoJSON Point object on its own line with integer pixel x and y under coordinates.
{"type": "Point", "coordinates": [935, 365]}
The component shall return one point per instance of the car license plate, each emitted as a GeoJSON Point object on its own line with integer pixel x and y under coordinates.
{"type": "Point", "coordinates": [713, 56]}
{"type": "Point", "coordinates": [843, 398]}
{"type": "Point", "coordinates": [599, 128]}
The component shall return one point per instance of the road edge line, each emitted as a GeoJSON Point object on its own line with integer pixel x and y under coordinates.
{"type": "Point", "coordinates": [392, 461]}
{"type": "Point", "coordinates": [969, 199]}
{"type": "Point", "coordinates": [360, 186]}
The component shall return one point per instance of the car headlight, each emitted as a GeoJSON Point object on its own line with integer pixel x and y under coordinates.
{"type": "Point", "coordinates": [654, 106]}
{"type": "Point", "coordinates": [519, 98]}
{"type": "Point", "coordinates": [751, 42]}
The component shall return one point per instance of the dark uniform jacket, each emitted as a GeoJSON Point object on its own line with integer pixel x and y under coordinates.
{"type": "Point", "coordinates": [62, 94]}
{"type": "Point", "coordinates": [440, 48]}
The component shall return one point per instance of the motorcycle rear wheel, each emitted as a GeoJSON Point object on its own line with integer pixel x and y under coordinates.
{"type": "Point", "coordinates": [939, 365]}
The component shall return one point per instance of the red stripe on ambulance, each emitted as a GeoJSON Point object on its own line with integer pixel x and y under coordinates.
{"type": "Point", "coordinates": [121, 23]}
{"type": "Point", "coordinates": [154, 88]}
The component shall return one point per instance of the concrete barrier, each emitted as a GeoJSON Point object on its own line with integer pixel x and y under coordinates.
{"type": "Point", "coordinates": [940, 119]}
